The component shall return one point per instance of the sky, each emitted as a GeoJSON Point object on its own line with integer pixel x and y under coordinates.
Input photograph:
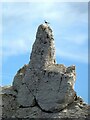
{"type": "Point", "coordinates": [69, 22]}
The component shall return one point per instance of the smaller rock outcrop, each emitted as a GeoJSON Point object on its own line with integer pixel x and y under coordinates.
{"type": "Point", "coordinates": [42, 88]}
{"type": "Point", "coordinates": [19, 76]}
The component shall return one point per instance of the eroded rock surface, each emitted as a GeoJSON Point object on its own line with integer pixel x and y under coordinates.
{"type": "Point", "coordinates": [42, 88]}
{"type": "Point", "coordinates": [50, 83]}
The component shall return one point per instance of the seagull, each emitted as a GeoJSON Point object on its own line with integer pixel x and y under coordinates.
{"type": "Point", "coordinates": [46, 22]}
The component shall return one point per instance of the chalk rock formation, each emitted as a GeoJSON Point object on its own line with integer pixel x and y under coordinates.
{"type": "Point", "coordinates": [42, 88]}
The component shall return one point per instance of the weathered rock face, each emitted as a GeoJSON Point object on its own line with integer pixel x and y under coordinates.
{"type": "Point", "coordinates": [45, 76]}
{"type": "Point", "coordinates": [43, 89]}
{"type": "Point", "coordinates": [43, 51]}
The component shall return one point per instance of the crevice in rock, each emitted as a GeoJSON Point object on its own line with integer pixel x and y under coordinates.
{"type": "Point", "coordinates": [21, 106]}
{"type": "Point", "coordinates": [36, 104]}
{"type": "Point", "coordinates": [10, 95]}
{"type": "Point", "coordinates": [60, 84]}
{"type": "Point", "coordinates": [15, 90]}
{"type": "Point", "coordinates": [64, 108]}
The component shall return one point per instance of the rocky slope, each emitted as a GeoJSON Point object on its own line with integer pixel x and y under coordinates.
{"type": "Point", "coordinates": [42, 88]}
